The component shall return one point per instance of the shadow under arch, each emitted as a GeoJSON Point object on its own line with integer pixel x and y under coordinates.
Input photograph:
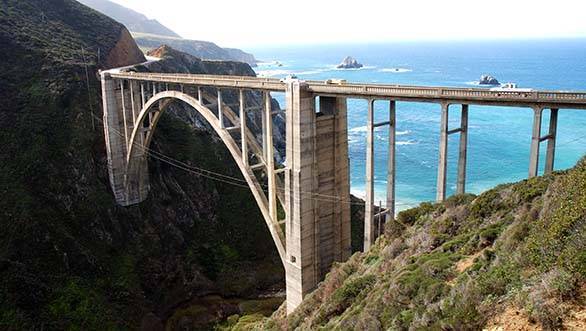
{"type": "Point", "coordinates": [136, 151]}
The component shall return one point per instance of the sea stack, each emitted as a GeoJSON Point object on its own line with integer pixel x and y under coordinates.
{"type": "Point", "coordinates": [488, 80]}
{"type": "Point", "coordinates": [349, 63]}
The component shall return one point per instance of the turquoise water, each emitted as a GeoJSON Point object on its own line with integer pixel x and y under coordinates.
{"type": "Point", "coordinates": [499, 138]}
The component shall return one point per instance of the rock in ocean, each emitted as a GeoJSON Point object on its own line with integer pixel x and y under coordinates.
{"type": "Point", "coordinates": [349, 63]}
{"type": "Point", "coordinates": [488, 80]}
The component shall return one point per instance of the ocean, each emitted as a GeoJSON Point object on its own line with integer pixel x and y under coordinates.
{"type": "Point", "coordinates": [499, 138]}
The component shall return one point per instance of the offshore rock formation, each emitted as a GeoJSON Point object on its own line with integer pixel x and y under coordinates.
{"type": "Point", "coordinates": [488, 80]}
{"type": "Point", "coordinates": [349, 63]}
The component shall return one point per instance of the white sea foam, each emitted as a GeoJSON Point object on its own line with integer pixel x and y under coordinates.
{"type": "Point", "coordinates": [312, 72]}
{"type": "Point", "coordinates": [358, 129]}
{"type": "Point", "coordinates": [408, 142]}
{"type": "Point", "coordinates": [477, 83]}
{"type": "Point", "coordinates": [273, 72]}
{"type": "Point", "coordinates": [395, 70]}
{"type": "Point", "coordinates": [351, 69]}
{"type": "Point", "coordinates": [380, 128]}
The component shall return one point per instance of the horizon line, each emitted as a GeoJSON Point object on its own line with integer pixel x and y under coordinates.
{"type": "Point", "coordinates": [404, 41]}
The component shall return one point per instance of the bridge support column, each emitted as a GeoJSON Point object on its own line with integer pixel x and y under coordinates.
{"type": "Point", "coordinates": [129, 187]}
{"type": "Point", "coordinates": [550, 156]}
{"type": "Point", "coordinates": [443, 154]}
{"type": "Point", "coordinates": [369, 226]}
{"type": "Point", "coordinates": [270, 158]}
{"type": "Point", "coordinates": [243, 127]}
{"type": "Point", "coordinates": [391, 166]}
{"type": "Point", "coordinates": [461, 185]}
{"type": "Point", "coordinates": [535, 141]}
{"type": "Point", "coordinates": [300, 267]}
{"type": "Point", "coordinates": [333, 202]}
{"type": "Point", "coordinates": [317, 226]}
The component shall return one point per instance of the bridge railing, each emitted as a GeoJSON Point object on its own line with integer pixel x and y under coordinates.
{"type": "Point", "coordinates": [206, 80]}
{"type": "Point", "coordinates": [364, 89]}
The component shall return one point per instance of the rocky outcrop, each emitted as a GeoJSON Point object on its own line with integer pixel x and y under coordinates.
{"type": "Point", "coordinates": [488, 80]}
{"type": "Point", "coordinates": [124, 53]}
{"type": "Point", "coordinates": [349, 63]}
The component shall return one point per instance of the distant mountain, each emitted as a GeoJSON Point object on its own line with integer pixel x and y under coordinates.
{"type": "Point", "coordinates": [204, 50]}
{"type": "Point", "coordinates": [150, 34]}
{"type": "Point", "coordinates": [133, 20]}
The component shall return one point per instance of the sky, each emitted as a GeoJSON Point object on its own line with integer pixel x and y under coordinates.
{"type": "Point", "coordinates": [258, 23]}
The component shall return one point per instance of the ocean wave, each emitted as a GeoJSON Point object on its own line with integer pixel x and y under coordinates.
{"type": "Point", "coordinates": [284, 72]}
{"type": "Point", "coordinates": [273, 72]}
{"type": "Point", "coordinates": [395, 70]}
{"type": "Point", "coordinates": [312, 72]}
{"type": "Point", "coordinates": [351, 69]}
{"type": "Point", "coordinates": [364, 128]}
{"type": "Point", "coordinates": [407, 142]}
{"type": "Point", "coordinates": [477, 83]}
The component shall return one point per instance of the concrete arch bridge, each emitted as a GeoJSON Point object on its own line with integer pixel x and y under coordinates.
{"type": "Point", "coordinates": [313, 187]}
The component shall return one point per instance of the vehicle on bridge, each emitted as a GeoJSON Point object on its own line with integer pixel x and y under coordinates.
{"type": "Point", "coordinates": [335, 81]}
{"type": "Point", "coordinates": [511, 87]}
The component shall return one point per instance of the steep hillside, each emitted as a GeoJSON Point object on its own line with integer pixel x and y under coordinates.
{"type": "Point", "coordinates": [70, 257]}
{"type": "Point", "coordinates": [513, 258]}
{"type": "Point", "coordinates": [133, 20]}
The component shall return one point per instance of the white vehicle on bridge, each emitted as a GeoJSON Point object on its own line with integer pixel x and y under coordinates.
{"type": "Point", "coordinates": [335, 81]}
{"type": "Point", "coordinates": [510, 87]}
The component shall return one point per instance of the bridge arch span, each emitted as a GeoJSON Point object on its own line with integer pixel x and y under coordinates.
{"type": "Point", "coordinates": [136, 157]}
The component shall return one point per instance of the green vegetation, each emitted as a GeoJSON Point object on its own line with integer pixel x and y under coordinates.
{"type": "Point", "coordinates": [71, 258]}
{"type": "Point", "coordinates": [456, 265]}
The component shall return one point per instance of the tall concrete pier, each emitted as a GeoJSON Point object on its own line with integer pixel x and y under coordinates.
{"type": "Point", "coordinates": [313, 187]}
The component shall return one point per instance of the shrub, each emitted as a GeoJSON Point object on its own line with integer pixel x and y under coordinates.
{"type": "Point", "coordinates": [352, 288]}
{"type": "Point", "coordinates": [531, 188]}
{"type": "Point", "coordinates": [459, 199]}
{"type": "Point", "coordinates": [486, 204]}
{"type": "Point", "coordinates": [498, 280]}
{"type": "Point", "coordinates": [410, 216]}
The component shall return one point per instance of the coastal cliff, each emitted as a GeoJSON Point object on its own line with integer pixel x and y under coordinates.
{"type": "Point", "coordinates": [71, 257]}
{"type": "Point", "coordinates": [150, 34]}
{"type": "Point", "coordinates": [205, 50]}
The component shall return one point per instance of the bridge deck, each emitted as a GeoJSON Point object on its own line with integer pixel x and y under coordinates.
{"type": "Point", "coordinates": [480, 96]}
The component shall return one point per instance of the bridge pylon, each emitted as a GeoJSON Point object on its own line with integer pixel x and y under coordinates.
{"type": "Point", "coordinates": [318, 225]}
